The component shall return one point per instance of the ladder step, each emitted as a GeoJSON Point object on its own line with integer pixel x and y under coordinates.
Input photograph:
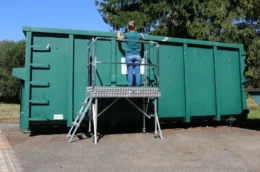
{"type": "Point", "coordinates": [89, 89]}
{"type": "Point", "coordinates": [74, 123]}
{"type": "Point", "coordinates": [80, 113]}
{"type": "Point", "coordinates": [84, 103]}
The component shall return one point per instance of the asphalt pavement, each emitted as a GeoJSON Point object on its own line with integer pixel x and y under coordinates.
{"type": "Point", "coordinates": [197, 149]}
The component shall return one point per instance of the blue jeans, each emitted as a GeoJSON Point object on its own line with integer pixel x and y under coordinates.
{"type": "Point", "coordinates": [136, 59]}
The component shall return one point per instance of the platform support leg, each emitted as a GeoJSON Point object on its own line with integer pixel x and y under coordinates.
{"type": "Point", "coordinates": [95, 107]}
{"type": "Point", "coordinates": [89, 122]}
{"type": "Point", "coordinates": [160, 131]}
{"type": "Point", "coordinates": [144, 129]}
{"type": "Point", "coordinates": [89, 127]}
{"type": "Point", "coordinates": [155, 118]}
{"type": "Point", "coordinates": [157, 123]}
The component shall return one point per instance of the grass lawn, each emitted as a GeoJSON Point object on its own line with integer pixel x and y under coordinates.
{"type": "Point", "coordinates": [254, 114]}
{"type": "Point", "coordinates": [9, 113]}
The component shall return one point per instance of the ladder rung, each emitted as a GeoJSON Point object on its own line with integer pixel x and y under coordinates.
{"type": "Point", "coordinates": [74, 123]}
{"type": "Point", "coordinates": [80, 113]}
{"type": "Point", "coordinates": [84, 103]}
{"type": "Point", "coordinates": [89, 89]}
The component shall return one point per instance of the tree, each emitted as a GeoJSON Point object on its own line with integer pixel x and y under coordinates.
{"type": "Point", "coordinates": [145, 13]}
{"type": "Point", "coordinates": [11, 56]}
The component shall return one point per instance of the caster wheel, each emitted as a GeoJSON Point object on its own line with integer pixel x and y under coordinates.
{"type": "Point", "coordinates": [90, 134]}
{"type": "Point", "coordinates": [93, 139]}
{"type": "Point", "coordinates": [144, 131]}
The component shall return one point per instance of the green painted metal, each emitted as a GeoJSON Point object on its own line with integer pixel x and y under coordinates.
{"type": "Point", "coordinates": [197, 78]}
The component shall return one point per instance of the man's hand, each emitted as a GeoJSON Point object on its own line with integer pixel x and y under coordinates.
{"type": "Point", "coordinates": [119, 36]}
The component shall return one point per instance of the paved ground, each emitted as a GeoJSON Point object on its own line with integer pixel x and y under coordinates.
{"type": "Point", "coordinates": [8, 161]}
{"type": "Point", "coordinates": [197, 149]}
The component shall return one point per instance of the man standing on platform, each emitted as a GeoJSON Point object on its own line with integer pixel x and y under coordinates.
{"type": "Point", "coordinates": [132, 53]}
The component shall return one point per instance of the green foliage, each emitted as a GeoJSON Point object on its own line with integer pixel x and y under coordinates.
{"type": "Point", "coordinates": [253, 72]}
{"type": "Point", "coordinates": [117, 13]}
{"type": "Point", "coordinates": [232, 21]}
{"type": "Point", "coordinates": [11, 56]}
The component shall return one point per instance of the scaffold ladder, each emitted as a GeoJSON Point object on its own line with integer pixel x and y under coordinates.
{"type": "Point", "coordinates": [80, 116]}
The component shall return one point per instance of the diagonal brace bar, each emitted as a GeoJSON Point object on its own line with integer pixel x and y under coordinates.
{"type": "Point", "coordinates": [107, 107]}
{"type": "Point", "coordinates": [138, 108]}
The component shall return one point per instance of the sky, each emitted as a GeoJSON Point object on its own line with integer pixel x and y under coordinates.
{"type": "Point", "coordinates": [68, 14]}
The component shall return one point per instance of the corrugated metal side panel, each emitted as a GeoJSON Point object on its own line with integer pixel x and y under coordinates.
{"type": "Point", "coordinates": [228, 82]}
{"type": "Point", "coordinates": [200, 87]}
{"type": "Point", "coordinates": [200, 81]}
{"type": "Point", "coordinates": [172, 83]}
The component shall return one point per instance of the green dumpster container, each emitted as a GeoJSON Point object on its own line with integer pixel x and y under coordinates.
{"type": "Point", "coordinates": [198, 79]}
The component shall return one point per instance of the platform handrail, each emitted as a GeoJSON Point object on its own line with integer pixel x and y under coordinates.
{"type": "Point", "coordinates": [126, 40]}
{"type": "Point", "coordinates": [146, 64]}
{"type": "Point", "coordinates": [95, 62]}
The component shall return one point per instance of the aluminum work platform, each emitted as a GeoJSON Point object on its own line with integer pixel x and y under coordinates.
{"type": "Point", "coordinates": [94, 93]}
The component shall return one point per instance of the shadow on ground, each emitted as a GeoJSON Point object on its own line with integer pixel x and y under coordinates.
{"type": "Point", "coordinates": [251, 124]}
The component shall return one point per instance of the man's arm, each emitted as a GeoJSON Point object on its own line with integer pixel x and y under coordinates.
{"type": "Point", "coordinates": [142, 36]}
{"type": "Point", "coordinates": [119, 36]}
